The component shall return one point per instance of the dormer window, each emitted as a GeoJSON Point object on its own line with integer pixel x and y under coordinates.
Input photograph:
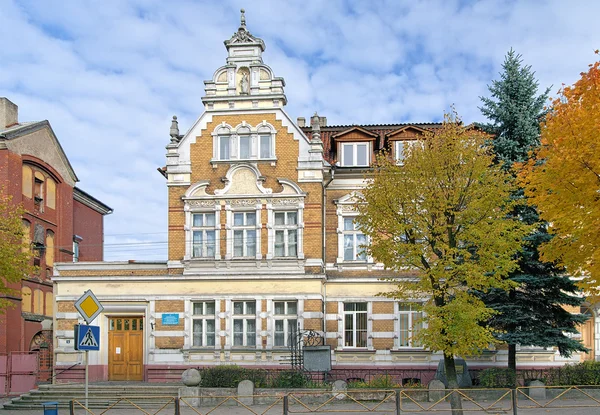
{"type": "Point", "coordinates": [355, 154]}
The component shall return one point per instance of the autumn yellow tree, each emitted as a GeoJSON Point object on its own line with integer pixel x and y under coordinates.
{"type": "Point", "coordinates": [15, 255]}
{"type": "Point", "coordinates": [443, 213]}
{"type": "Point", "coordinates": [563, 179]}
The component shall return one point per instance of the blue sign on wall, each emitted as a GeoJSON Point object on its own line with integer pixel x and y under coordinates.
{"type": "Point", "coordinates": [87, 337]}
{"type": "Point", "coordinates": [170, 319]}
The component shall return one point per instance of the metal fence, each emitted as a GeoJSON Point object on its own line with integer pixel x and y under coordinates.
{"type": "Point", "coordinates": [534, 400]}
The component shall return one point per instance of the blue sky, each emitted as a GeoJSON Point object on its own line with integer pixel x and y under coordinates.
{"type": "Point", "coordinates": [110, 74]}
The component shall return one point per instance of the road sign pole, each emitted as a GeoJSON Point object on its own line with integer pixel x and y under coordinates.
{"type": "Point", "coordinates": [87, 352]}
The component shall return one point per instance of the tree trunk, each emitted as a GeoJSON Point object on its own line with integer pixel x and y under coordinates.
{"type": "Point", "coordinates": [512, 359]}
{"type": "Point", "coordinates": [455, 399]}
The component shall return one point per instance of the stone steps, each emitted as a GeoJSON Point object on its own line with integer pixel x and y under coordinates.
{"type": "Point", "coordinates": [99, 395]}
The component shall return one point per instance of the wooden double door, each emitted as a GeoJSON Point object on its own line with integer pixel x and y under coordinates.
{"type": "Point", "coordinates": [126, 348]}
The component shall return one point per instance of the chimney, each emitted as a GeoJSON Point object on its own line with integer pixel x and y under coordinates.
{"type": "Point", "coordinates": [323, 121]}
{"type": "Point", "coordinates": [9, 113]}
{"type": "Point", "coordinates": [301, 121]}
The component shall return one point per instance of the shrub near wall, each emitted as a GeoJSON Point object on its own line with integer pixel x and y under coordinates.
{"type": "Point", "coordinates": [229, 376]}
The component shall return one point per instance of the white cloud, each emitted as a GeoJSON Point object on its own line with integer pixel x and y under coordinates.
{"type": "Point", "coordinates": [110, 74]}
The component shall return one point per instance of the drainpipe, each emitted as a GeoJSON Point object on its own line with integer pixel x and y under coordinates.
{"type": "Point", "coordinates": [324, 251]}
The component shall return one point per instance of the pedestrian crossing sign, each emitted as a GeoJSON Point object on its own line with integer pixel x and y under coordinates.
{"type": "Point", "coordinates": [87, 337]}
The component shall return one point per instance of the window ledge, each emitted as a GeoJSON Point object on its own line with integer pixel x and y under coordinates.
{"type": "Point", "coordinates": [232, 161]}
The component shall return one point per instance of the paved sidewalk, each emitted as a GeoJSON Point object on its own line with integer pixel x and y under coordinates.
{"type": "Point", "coordinates": [338, 408]}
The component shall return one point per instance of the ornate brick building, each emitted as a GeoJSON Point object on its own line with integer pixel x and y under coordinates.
{"type": "Point", "coordinates": [62, 224]}
{"type": "Point", "coordinates": [261, 240]}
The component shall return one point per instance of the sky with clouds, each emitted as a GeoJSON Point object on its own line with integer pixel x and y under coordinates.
{"type": "Point", "coordinates": [110, 74]}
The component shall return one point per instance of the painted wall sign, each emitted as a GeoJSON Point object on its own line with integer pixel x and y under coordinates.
{"type": "Point", "coordinates": [170, 319]}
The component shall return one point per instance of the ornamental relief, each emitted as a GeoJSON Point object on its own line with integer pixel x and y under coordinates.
{"type": "Point", "coordinates": [347, 208]}
{"type": "Point", "coordinates": [200, 203]}
{"type": "Point", "coordinates": [243, 202]}
{"type": "Point", "coordinates": [285, 202]}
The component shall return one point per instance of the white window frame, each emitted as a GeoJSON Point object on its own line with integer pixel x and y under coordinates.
{"type": "Point", "coordinates": [355, 233]}
{"type": "Point", "coordinates": [248, 231]}
{"type": "Point", "coordinates": [189, 233]}
{"type": "Point", "coordinates": [286, 229]}
{"type": "Point", "coordinates": [355, 315]}
{"type": "Point", "coordinates": [204, 318]}
{"type": "Point", "coordinates": [231, 228]}
{"type": "Point", "coordinates": [287, 317]}
{"type": "Point", "coordinates": [226, 132]}
{"type": "Point", "coordinates": [245, 317]}
{"type": "Point", "coordinates": [412, 316]}
{"type": "Point", "coordinates": [399, 147]}
{"type": "Point", "coordinates": [354, 161]}
{"type": "Point", "coordinates": [204, 230]}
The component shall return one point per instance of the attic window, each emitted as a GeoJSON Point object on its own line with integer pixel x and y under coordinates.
{"type": "Point", "coordinates": [355, 154]}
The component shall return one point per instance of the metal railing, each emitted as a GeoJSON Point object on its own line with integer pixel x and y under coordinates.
{"type": "Point", "coordinates": [532, 400]}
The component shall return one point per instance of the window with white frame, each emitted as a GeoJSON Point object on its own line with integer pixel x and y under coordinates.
{"type": "Point", "coordinates": [410, 319]}
{"type": "Point", "coordinates": [354, 241]}
{"type": "Point", "coordinates": [203, 324]}
{"type": "Point", "coordinates": [244, 323]}
{"type": "Point", "coordinates": [244, 234]}
{"type": "Point", "coordinates": [244, 143]}
{"type": "Point", "coordinates": [355, 154]}
{"type": "Point", "coordinates": [286, 234]}
{"type": "Point", "coordinates": [285, 315]}
{"type": "Point", "coordinates": [400, 148]}
{"type": "Point", "coordinates": [355, 324]}
{"type": "Point", "coordinates": [224, 147]}
{"type": "Point", "coordinates": [203, 235]}
{"type": "Point", "coordinates": [265, 142]}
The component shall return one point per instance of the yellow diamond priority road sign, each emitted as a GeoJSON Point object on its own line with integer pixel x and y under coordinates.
{"type": "Point", "coordinates": [88, 306]}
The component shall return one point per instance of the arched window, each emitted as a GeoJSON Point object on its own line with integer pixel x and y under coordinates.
{"type": "Point", "coordinates": [38, 301]}
{"type": "Point", "coordinates": [50, 193]}
{"type": "Point", "coordinates": [26, 299]}
{"type": "Point", "coordinates": [49, 248]}
{"type": "Point", "coordinates": [49, 304]}
{"type": "Point", "coordinates": [224, 143]}
{"type": "Point", "coordinates": [26, 234]}
{"type": "Point", "coordinates": [27, 181]}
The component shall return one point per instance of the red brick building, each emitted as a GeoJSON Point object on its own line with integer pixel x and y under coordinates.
{"type": "Point", "coordinates": [62, 224]}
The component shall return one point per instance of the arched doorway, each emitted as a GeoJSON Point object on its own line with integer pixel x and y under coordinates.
{"type": "Point", "coordinates": [41, 344]}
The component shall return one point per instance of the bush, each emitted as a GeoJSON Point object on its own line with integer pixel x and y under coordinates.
{"type": "Point", "coordinates": [289, 379]}
{"type": "Point", "coordinates": [497, 377]}
{"type": "Point", "coordinates": [229, 376]}
{"type": "Point", "coordinates": [584, 373]}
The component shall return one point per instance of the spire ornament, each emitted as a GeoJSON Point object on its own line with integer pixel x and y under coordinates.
{"type": "Point", "coordinates": [243, 18]}
{"type": "Point", "coordinates": [174, 131]}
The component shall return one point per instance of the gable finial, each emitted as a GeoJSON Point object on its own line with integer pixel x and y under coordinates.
{"type": "Point", "coordinates": [174, 131]}
{"type": "Point", "coordinates": [243, 18]}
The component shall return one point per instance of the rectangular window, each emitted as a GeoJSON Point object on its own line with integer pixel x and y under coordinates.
{"type": "Point", "coordinates": [265, 147]}
{"type": "Point", "coordinates": [355, 154]}
{"type": "Point", "coordinates": [286, 322]}
{"type": "Point", "coordinates": [355, 324]}
{"type": "Point", "coordinates": [401, 147]}
{"type": "Point", "coordinates": [203, 235]}
{"type": "Point", "coordinates": [286, 234]}
{"type": "Point", "coordinates": [244, 323]}
{"type": "Point", "coordinates": [203, 324]}
{"type": "Point", "coordinates": [245, 147]}
{"type": "Point", "coordinates": [411, 322]}
{"type": "Point", "coordinates": [244, 234]}
{"type": "Point", "coordinates": [224, 153]}
{"type": "Point", "coordinates": [354, 241]}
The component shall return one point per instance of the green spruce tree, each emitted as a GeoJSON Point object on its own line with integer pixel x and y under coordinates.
{"type": "Point", "coordinates": [533, 313]}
